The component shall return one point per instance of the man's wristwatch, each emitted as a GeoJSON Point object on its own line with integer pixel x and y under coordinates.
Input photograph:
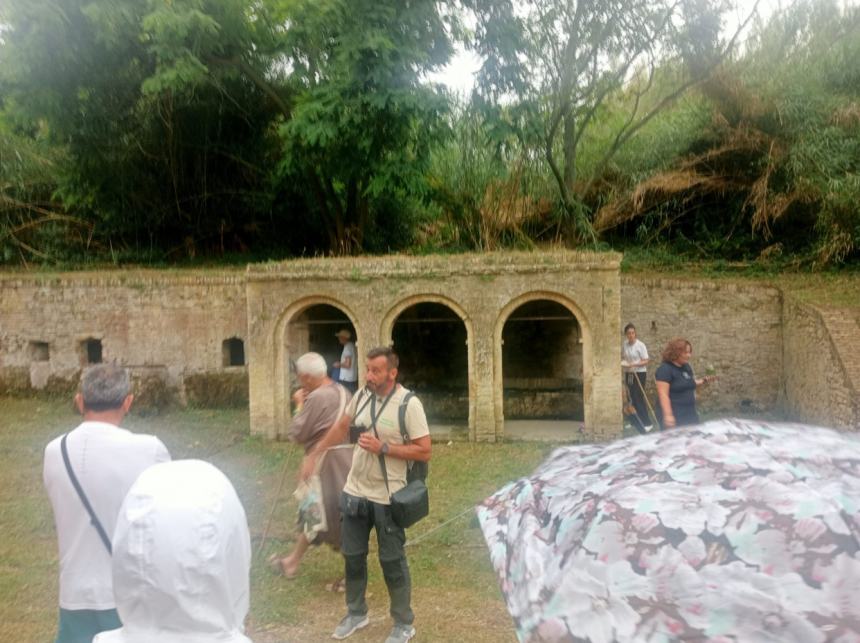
{"type": "Point", "coordinates": [384, 449]}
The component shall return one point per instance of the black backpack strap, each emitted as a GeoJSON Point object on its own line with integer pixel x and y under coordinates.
{"type": "Point", "coordinates": [401, 415]}
{"type": "Point", "coordinates": [77, 485]}
{"type": "Point", "coordinates": [414, 468]}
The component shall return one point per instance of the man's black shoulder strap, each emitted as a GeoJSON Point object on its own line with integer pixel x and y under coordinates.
{"type": "Point", "coordinates": [77, 485]}
{"type": "Point", "coordinates": [416, 470]}
{"type": "Point", "coordinates": [401, 415]}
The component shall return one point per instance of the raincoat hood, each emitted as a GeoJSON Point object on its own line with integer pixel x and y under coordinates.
{"type": "Point", "coordinates": [181, 558]}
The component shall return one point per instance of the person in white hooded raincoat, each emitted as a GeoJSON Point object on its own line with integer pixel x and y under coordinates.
{"type": "Point", "coordinates": [181, 558]}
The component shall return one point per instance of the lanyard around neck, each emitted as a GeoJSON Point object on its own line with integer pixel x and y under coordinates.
{"type": "Point", "coordinates": [374, 416]}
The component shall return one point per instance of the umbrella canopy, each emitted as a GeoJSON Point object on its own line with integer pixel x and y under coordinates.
{"type": "Point", "coordinates": [733, 530]}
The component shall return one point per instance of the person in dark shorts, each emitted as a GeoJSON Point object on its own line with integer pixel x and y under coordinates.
{"type": "Point", "coordinates": [676, 385]}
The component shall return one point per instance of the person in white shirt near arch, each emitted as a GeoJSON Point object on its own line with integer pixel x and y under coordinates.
{"type": "Point", "coordinates": [634, 360]}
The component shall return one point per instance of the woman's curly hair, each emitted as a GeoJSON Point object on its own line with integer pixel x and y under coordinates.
{"type": "Point", "coordinates": [675, 348]}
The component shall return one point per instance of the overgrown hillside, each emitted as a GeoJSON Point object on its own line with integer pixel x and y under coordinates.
{"type": "Point", "coordinates": [221, 130]}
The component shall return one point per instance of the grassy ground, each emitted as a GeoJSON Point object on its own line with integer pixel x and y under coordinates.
{"type": "Point", "coordinates": [827, 290]}
{"type": "Point", "coordinates": [455, 594]}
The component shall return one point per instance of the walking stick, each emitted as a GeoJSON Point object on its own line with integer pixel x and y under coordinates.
{"type": "Point", "coordinates": [630, 409]}
{"type": "Point", "coordinates": [647, 403]}
{"type": "Point", "coordinates": [628, 401]}
{"type": "Point", "coordinates": [274, 504]}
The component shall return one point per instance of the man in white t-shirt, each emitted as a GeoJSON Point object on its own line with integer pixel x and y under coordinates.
{"type": "Point", "coordinates": [365, 502]}
{"type": "Point", "coordinates": [347, 364]}
{"type": "Point", "coordinates": [105, 461]}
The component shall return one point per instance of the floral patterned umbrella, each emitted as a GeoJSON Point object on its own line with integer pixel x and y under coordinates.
{"type": "Point", "coordinates": [733, 530]}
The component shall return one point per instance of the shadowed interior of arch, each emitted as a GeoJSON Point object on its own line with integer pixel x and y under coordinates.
{"type": "Point", "coordinates": [430, 339]}
{"type": "Point", "coordinates": [542, 362]}
{"type": "Point", "coordinates": [314, 330]}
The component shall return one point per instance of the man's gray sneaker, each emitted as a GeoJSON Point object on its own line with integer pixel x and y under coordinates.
{"type": "Point", "coordinates": [400, 634]}
{"type": "Point", "coordinates": [349, 624]}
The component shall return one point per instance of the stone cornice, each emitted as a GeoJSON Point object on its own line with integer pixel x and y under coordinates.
{"type": "Point", "coordinates": [433, 266]}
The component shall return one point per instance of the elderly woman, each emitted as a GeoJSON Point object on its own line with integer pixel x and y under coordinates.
{"type": "Point", "coordinates": [676, 385]}
{"type": "Point", "coordinates": [319, 403]}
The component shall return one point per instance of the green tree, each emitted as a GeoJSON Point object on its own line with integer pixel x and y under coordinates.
{"type": "Point", "coordinates": [30, 217]}
{"type": "Point", "coordinates": [363, 121]}
{"type": "Point", "coordinates": [556, 72]}
{"type": "Point", "coordinates": [802, 70]}
{"type": "Point", "coordinates": [157, 107]}
{"type": "Point", "coordinates": [768, 156]}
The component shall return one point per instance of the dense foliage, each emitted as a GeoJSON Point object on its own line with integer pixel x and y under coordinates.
{"type": "Point", "coordinates": [164, 130]}
{"type": "Point", "coordinates": [767, 162]}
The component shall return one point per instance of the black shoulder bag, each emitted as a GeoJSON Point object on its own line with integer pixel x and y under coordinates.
{"type": "Point", "coordinates": [411, 503]}
{"type": "Point", "coordinates": [77, 485]}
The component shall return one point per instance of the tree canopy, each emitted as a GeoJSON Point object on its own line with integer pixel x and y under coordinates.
{"type": "Point", "coordinates": [553, 69]}
{"type": "Point", "coordinates": [360, 131]}
{"type": "Point", "coordinates": [156, 130]}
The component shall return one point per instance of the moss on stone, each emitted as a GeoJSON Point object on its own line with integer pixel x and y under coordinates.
{"type": "Point", "coordinates": [217, 390]}
{"type": "Point", "coordinates": [15, 380]}
{"type": "Point", "coordinates": [152, 393]}
{"type": "Point", "coordinates": [58, 386]}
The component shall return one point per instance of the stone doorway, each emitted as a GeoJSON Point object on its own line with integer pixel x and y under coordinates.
{"type": "Point", "coordinates": [308, 325]}
{"type": "Point", "coordinates": [314, 330]}
{"type": "Point", "coordinates": [432, 342]}
{"type": "Point", "coordinates": [542, 371]}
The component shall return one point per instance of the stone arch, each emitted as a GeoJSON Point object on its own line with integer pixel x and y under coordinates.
{"type": "Point", "coordinates": [283, 355]}
{"type": "Point", "coordinates": [587, 350]}
{"type": "Point", "coordinates": [386, 334]}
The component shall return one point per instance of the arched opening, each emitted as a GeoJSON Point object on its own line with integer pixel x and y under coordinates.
{"type": "Point", "coordinates": [315, 329]}
{"type": "Point", "coordinates": [542, 371]}
{"type": "Point", "coordinates": [309, 324]}
{"type": "Point", "coordinates": [431, 341]}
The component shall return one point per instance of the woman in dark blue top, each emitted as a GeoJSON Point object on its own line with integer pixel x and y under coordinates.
{"type": "Point", "coordinates": [676, 385]}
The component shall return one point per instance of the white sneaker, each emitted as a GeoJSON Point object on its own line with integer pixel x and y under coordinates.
{"type": "Point", "coordinates": [648, 428]}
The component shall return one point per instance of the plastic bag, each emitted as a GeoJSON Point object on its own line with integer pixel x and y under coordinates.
{"type": "Point", "coordinates": [312, 518]}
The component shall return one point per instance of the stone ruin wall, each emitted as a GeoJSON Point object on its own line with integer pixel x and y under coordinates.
{"type": "Point", "coordinates": [735, 328]}
{"type": "Point", "coordinates": [482, 289]}
{"type": "Point", "coordinates": [820, 366]}
{"type": "Point", "coordinates": [168, 327]}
